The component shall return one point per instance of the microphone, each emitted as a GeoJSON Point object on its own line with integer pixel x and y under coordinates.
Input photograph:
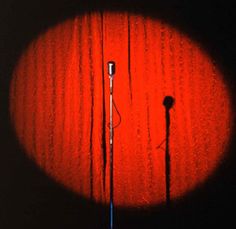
{"type": "Point", "coordinates": [111, 68]}
{"type": "Point", "coordinates": [111, 72]}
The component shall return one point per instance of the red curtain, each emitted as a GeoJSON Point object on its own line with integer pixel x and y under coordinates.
{"type": "Point", "coordinates": [59, 105]}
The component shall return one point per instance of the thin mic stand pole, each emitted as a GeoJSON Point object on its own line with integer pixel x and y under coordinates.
{"type": "Point", "coordinates": [111, 72]}
{"type": "Point", "coordinates": [111, 153]}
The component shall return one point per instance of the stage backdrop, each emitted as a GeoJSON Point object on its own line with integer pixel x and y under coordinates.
{"type": "Point", "coordinates": [59, 104]}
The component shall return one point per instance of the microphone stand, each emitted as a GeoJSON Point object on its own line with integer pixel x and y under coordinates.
{"type": "Point", "coordinates": [111, 72]}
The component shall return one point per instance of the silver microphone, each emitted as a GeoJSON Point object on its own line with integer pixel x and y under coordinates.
{"type": "Point", "coordinates": [111, 72]}
{"type": "Point", "coordinates": [111, 68]}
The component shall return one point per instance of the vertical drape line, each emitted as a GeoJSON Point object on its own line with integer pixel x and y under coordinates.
{"type": "Point", "coordinates": [81, 91]}
{"type": "Point", "coordinates": [92, 104]}
{"type": "Point", "coordinates": [71, 79]}
{"type": "Point", "coordinates": [44, 96]}
{"type": "Point", "coordinates": [187, 104]}
{"type": "Point", "coordinates": [172, 60]}
{"type": "Point", "coordinates": [180, 115]}
{"type": "Point", "coordinates": [62, 100]}
{"type": "Point", "coordinates": [147, 103]}
{"type": "Point", "coordinates": [204, 107]}
{"type": "Point", "coordinates": [149, 148]}
{"type": "Point", "coordinates": [104, 147]}
{"type": "Point", "coordinates": [194, 107]}
{"type": "Point", "coordinates": [35, 107]}
{"type": "Point", "coordinates": [53, 103]}
{"type": "Point", "coordinates": [129, 60]}
{"type": "Point", "coordinates": [163, 72]}
{"type": "Point", "coordinates": [216, 130]}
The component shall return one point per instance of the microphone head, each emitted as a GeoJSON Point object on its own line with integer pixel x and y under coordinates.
{"type": "Point", "coordinates": [111, 68]}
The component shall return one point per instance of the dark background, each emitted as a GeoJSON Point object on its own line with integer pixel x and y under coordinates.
{"type": "Point", "coordinates": [30, 200]}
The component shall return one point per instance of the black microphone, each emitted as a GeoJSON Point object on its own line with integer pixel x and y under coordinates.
{"type": "Point", "coordinates": [111, 68]}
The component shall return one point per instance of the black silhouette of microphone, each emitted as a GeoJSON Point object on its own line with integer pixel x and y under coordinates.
{"type": "Point", "coordinates": [168, 103]}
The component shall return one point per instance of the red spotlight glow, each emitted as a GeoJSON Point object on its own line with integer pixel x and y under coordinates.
{"type": "Point", "coordinates": [59, 104]}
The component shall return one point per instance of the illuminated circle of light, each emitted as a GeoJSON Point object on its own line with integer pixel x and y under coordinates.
{"type": "Point", "coordinates": [59, 105]}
